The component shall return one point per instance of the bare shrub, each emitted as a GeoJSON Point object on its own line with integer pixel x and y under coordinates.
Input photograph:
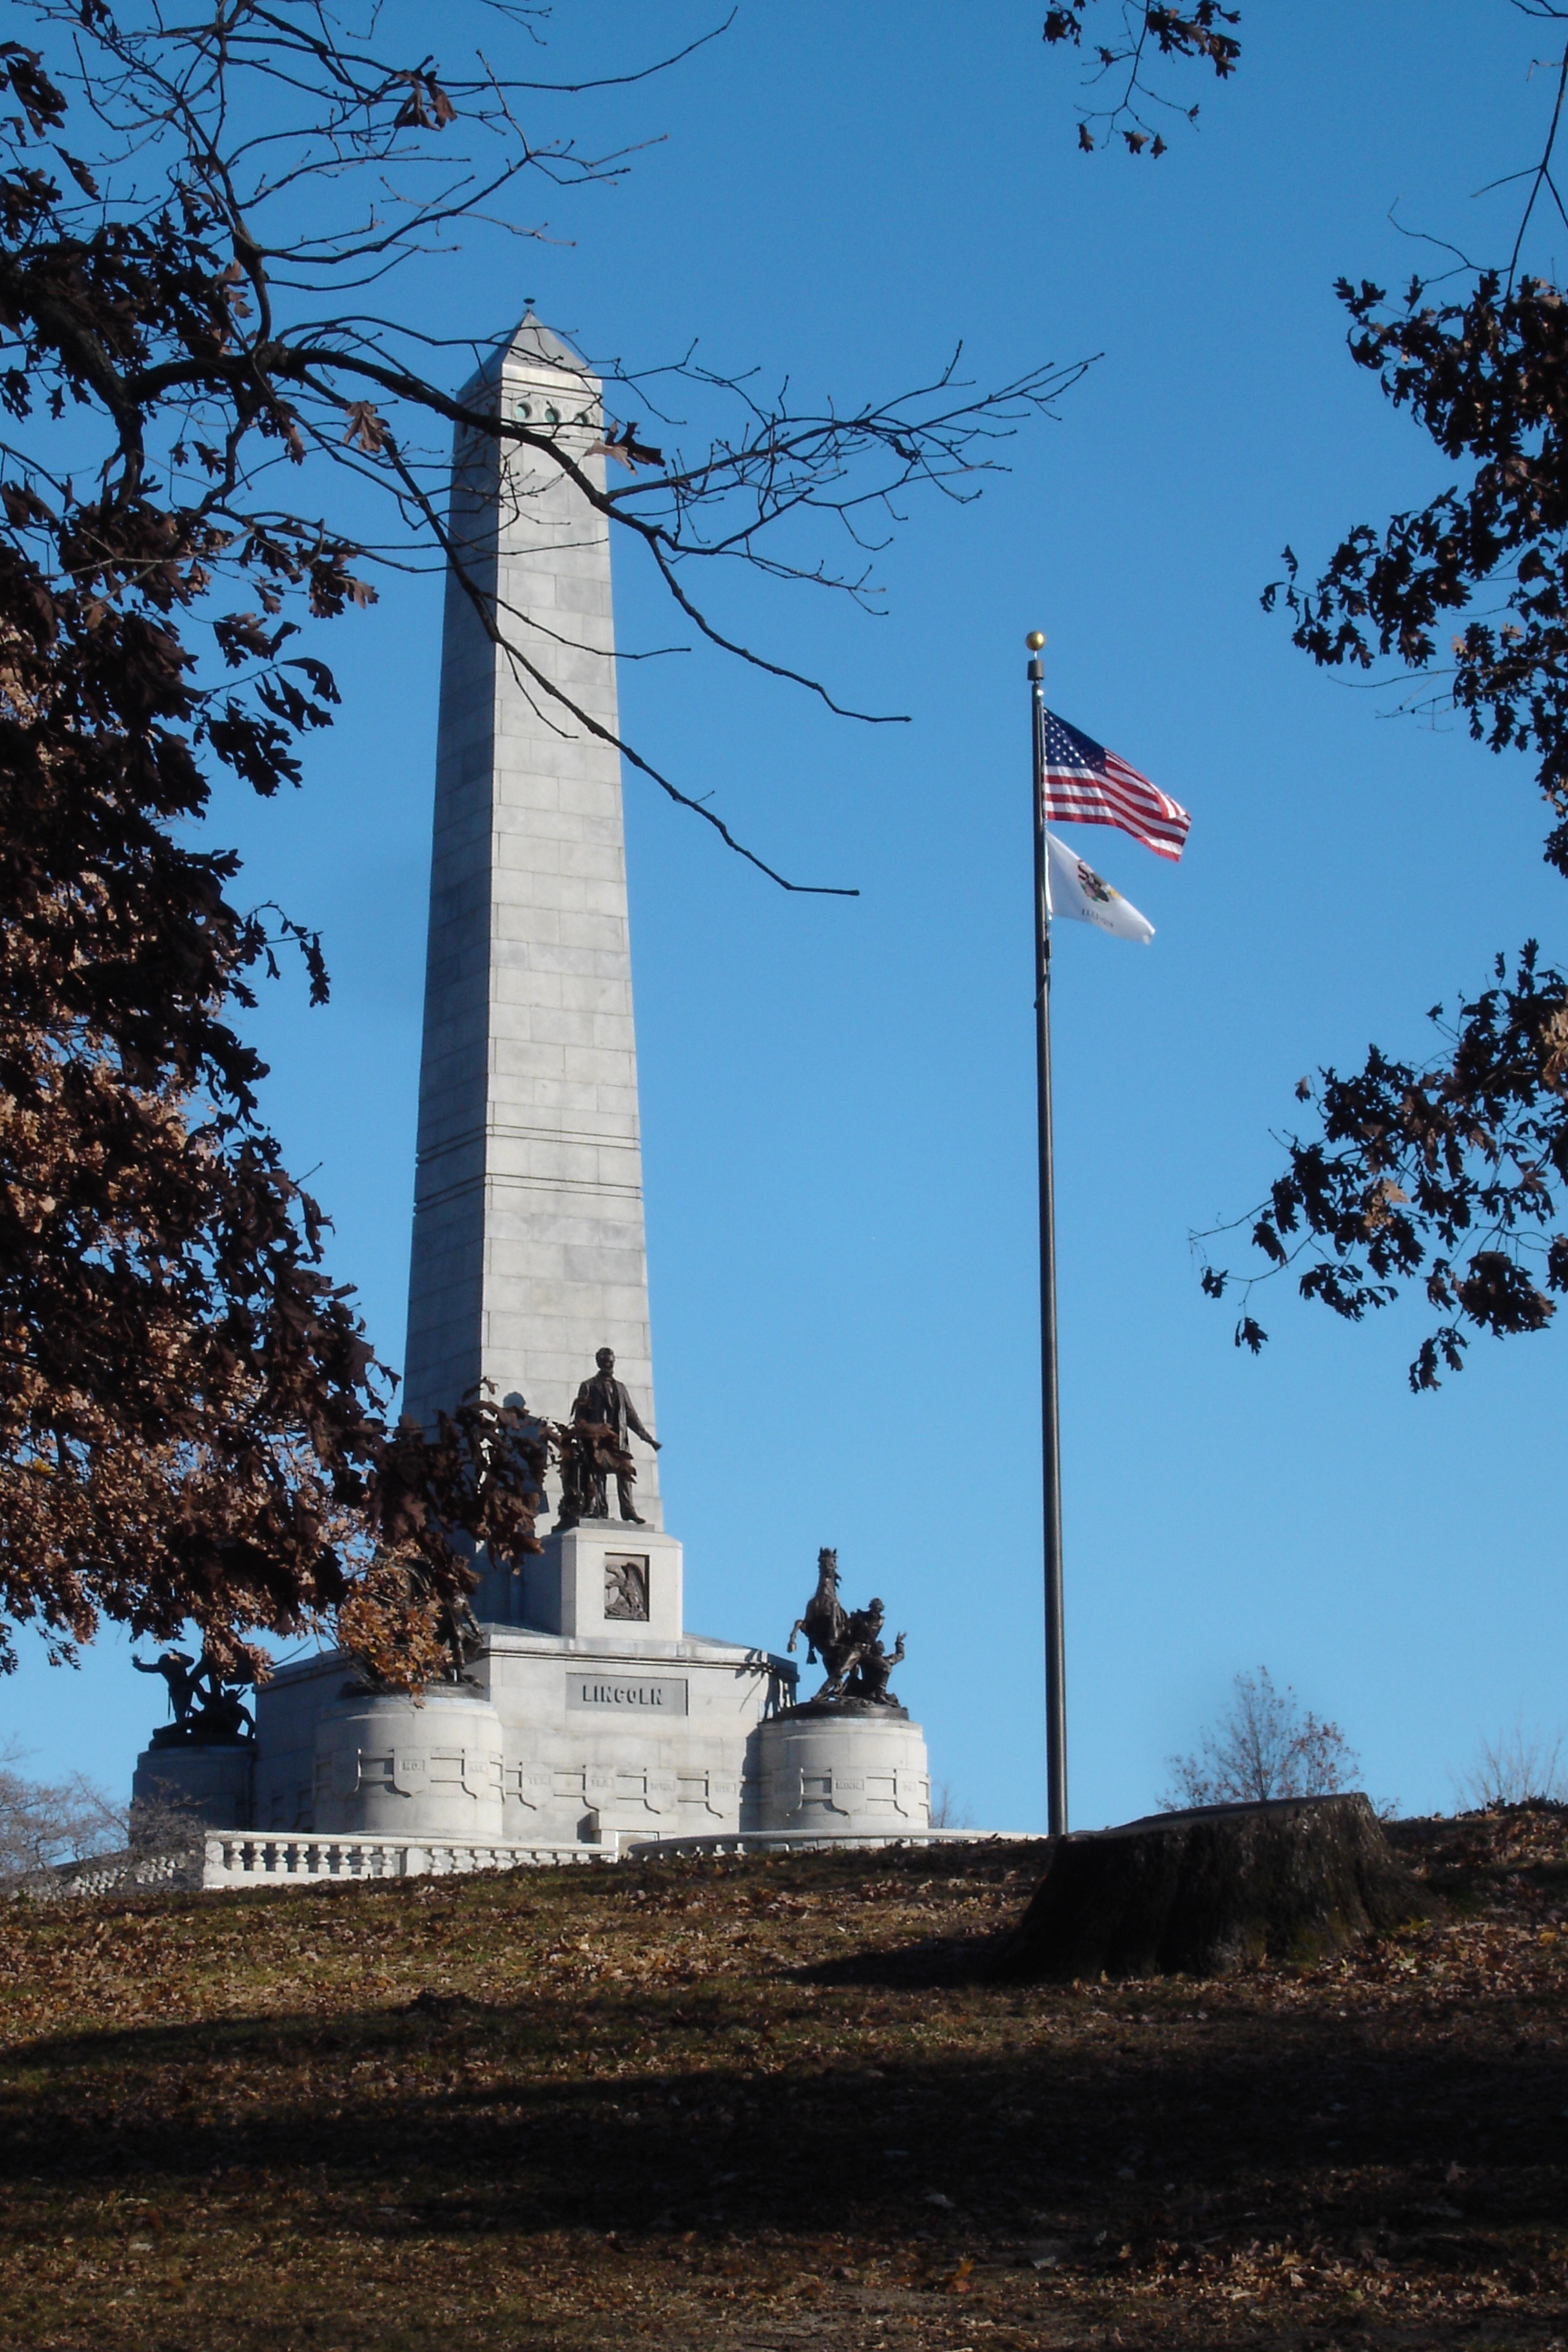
{"type": "Point", "coordinates": [1520, 1767]}
{"type": "Point", "coordinates": [165, 1822]}
{"type": "Point", "coordinates": [45, 1823]}
{"type": "Point", "coordinates": [948, 1811]}
{"type": "Point", "coordinates": [47, 1827]}
{"type": "Point", "coordinates": [1264, 1746]}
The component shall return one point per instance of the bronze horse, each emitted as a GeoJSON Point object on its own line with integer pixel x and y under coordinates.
{"type": "Point", "coordinates": [850, 1645]}
{"type": "Point", "coordinates": [826, 1624]}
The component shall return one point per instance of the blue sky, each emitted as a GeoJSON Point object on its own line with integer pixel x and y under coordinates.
{"type": "Point", "coordinates": [837, 1096]}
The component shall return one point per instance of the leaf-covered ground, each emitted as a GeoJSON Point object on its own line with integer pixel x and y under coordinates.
{"type": "Point", "coordinates": [770, 2105]}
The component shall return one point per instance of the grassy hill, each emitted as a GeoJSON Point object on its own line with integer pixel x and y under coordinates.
{"type": "Point", "coordinates": [774, 2104]}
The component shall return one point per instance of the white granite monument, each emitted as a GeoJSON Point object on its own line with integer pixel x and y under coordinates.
{"type": "Point", "coordinates": [587, 1708]}
{"type": "Point", "coordinates": [528, 1223]}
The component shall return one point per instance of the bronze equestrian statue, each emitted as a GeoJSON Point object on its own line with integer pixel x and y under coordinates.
{"type": "Point", "coordinates": [850, 1644]}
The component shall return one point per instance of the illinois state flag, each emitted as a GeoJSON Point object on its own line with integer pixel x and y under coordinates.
{"type": "Point", "coordinates": [1086, 785]}
{"type": "Point", "coordinates": [1079, 893]}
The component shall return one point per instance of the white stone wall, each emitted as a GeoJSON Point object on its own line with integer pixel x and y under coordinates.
{"type": "Point", "coordinates": [288, 1708]}
{"type": "Point", "coordinates": [529, 1249]}
{"type": "Point", "coordinates": [640, 1737]}
{"type": "Point", "coordinates": [647, 1743]}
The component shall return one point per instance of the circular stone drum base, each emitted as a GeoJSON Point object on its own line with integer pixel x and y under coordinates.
{"type": "Point", "coordinates": [206, 1781]}
{"type": "Point", "coordinates": [843, 1768]}
{"type": "Point", "coordinates": [388, 1768]}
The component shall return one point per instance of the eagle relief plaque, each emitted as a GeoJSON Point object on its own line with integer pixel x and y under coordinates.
{"type": "Point", "coordinates": [625, 1586]}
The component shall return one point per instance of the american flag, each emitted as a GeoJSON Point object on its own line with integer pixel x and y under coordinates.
{"type": "Point", "coordinates": [1086, 785]}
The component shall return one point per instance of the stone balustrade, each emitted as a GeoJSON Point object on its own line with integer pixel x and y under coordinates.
{"type": "Point", "coordinates": [820, 1841]}
{"type": "Point", "coordinates": [113, 1874]}
{"type": "Point", "coordinates": [272, 1858]}
{"type": "Point", "coordinates": [284, 1858]}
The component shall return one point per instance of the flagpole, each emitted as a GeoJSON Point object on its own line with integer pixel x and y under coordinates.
{"type": "Point", "coordinates": [1056, 1657]}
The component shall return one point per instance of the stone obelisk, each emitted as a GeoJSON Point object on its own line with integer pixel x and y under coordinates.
{"type": "Point", "coordinates": [527, 1231]}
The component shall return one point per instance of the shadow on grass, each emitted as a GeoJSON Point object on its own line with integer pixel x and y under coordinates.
{"type": "Point", "coordinates": [486, 2110]}
{"type": "Point", "coordinates": [930, 1963]}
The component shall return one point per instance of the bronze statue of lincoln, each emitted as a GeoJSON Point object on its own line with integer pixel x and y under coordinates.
{"type": "Point", "coordinates": [604, 1402]}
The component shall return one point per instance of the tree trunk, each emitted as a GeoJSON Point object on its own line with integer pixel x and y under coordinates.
{"type": "Point", "coordinates": [1201, 1893]}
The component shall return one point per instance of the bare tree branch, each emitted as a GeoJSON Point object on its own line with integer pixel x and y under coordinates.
{"type": "Point", "coordinates": [192, 1424]}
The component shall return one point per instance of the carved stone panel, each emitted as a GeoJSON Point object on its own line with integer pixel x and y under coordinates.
{"type": "Point", "coordinates": [533, 1789]}
{"type": "Point", "coordinates": [625, 1586]}
{"type": "Point", "coordinates": [643, 1695]}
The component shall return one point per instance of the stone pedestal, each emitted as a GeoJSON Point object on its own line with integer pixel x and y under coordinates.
{"type": "Point", "coordinates": [603, 1580]}
{"type": "Point", "coordinates": [392, 1767]}
{"type": "Point", "coordinates": [842, 1768]}
{"type": "Point", "coordinates": [210, 1780]}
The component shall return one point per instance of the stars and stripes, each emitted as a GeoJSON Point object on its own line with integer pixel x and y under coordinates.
{"type": "Point", "coordinates": [1086, 785]}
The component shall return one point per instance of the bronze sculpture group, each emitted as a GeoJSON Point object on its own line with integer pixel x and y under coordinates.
{"type": "Point", "coordinates": [848, 1641]}
{"type": "Point", "coordinates": [203, 1698]}
{"type": "Point", "coordinates": [591, 1449]}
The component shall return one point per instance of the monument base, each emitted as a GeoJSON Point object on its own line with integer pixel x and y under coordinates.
{"type": "Point", "coordinates": [843, 1767]}
{"type": "Point", "coordinates": [388, 1766]}
{"type": "Point", "coordinates": [206, 1781]}
{"type": "Point", "coordinates": [586, 1736]}
{"type": "Point", "coordinates": [588, 1716]}
{"type": "Point", "coordinates": [609, 1579]}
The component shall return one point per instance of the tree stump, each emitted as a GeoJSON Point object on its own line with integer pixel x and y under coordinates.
{"type": "Point", "coordinates": [1201, 1893]}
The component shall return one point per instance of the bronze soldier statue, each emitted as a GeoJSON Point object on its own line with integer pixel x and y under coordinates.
{"type": "Point", "coordinates": [602, 1404]}
{"type": "Point", "coordinates": [866, 1670]}
{"type": "Point", "coordinates": [183, 1677]}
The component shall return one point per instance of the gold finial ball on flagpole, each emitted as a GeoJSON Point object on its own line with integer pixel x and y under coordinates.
{"type": "Point", "coordinates": [1034, 640]}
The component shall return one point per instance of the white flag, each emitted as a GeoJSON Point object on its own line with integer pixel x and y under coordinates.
{"type": "Point", "coordinates": [1079, 893]}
